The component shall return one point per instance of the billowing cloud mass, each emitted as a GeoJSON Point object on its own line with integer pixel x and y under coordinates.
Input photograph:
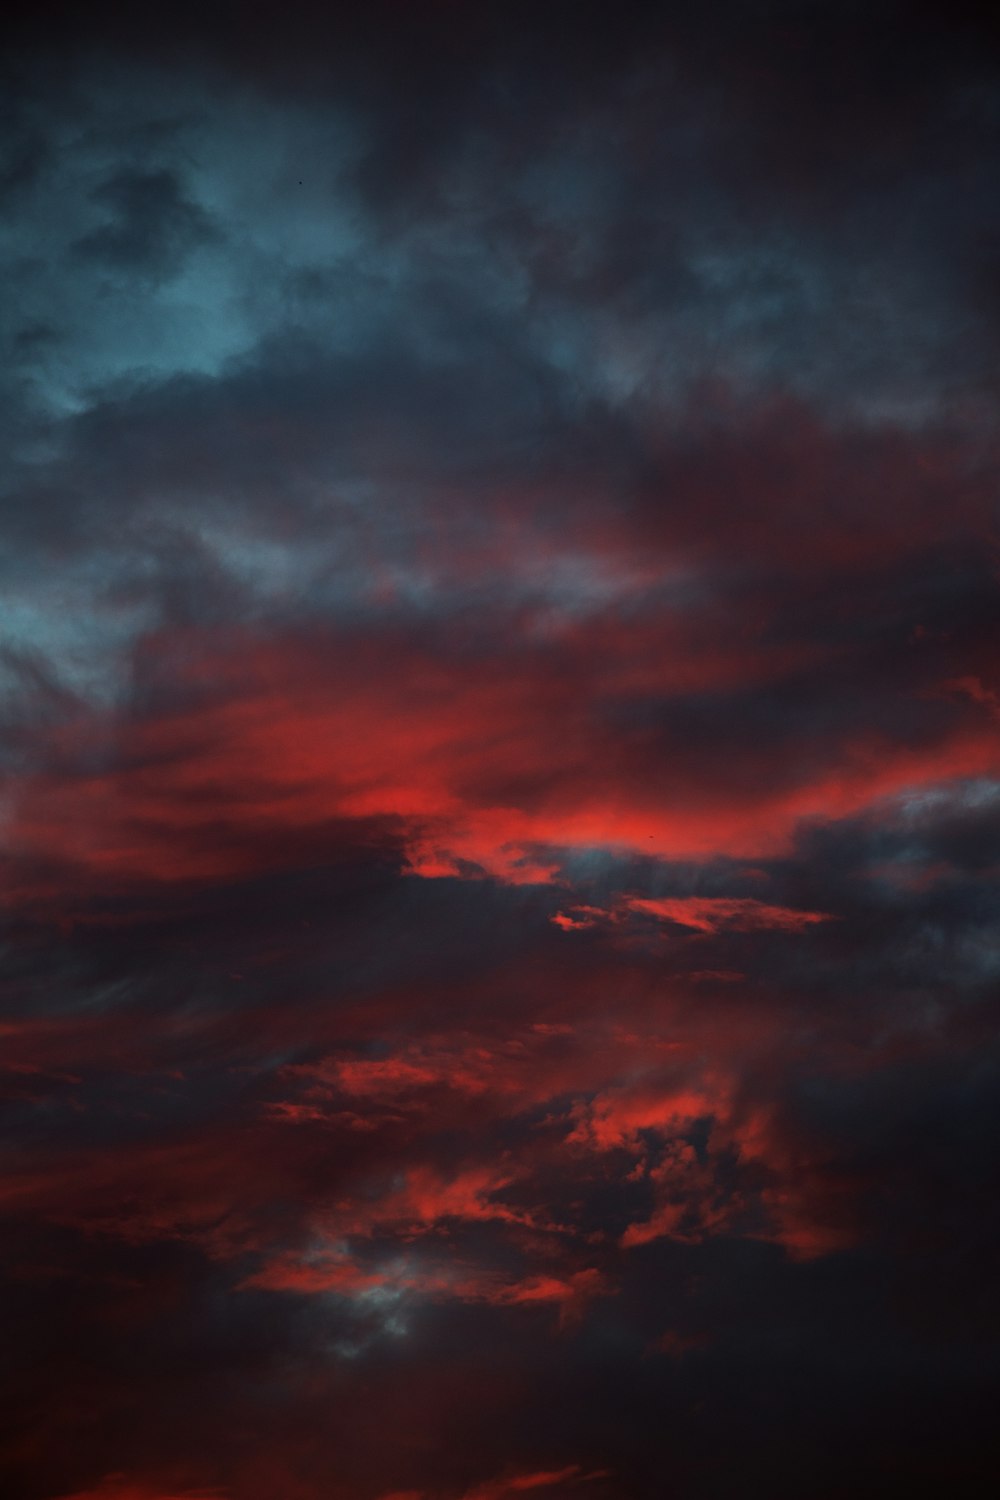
{"type": "Point", "coordinates": [499, 751]}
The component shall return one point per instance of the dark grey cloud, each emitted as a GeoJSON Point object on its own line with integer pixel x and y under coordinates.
{"type": "Point", "coordinates": [150, 224]}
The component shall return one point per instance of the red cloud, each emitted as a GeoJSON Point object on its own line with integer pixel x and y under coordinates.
{"type": "Point", "coordinates": [495, 1489]}
{"type": "Point", "coordinates": [119, 1487]}
{"type": "Point", "coordinates": [513, 1484]}
{"type": "Point", "coordinates": [323, 1273]}
{"type": "Point", "coordinates": [703, 913]}
{"type": "Point", "coordinates": [712, 913]}
{"type": "Point", "coordinates": [472, 770]}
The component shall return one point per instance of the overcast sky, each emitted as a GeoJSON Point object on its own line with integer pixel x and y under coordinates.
{"type": "Point", "coordinates": [499, 750]}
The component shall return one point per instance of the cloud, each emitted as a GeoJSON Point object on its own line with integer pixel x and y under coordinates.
{"type": "Point", "coordinates": [118, 1487]}
{"type": "Point", "coordinates": [499, 811]}
{"type": "Point", "coordinates": [541, 1479]}
{"type": "Point", "coordinates": [701, 913]}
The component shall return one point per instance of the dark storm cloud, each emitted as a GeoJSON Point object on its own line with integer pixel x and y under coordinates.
{"type": "Point", "coordinates": [150, 225]}
{"type": "Point", "coordinates": [728, 1313]}
{"type": "Point", "coordinates": [500, 751]}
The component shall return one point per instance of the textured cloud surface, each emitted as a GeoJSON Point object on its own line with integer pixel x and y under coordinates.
{"type": "Point", "coordinates": [499, 752]}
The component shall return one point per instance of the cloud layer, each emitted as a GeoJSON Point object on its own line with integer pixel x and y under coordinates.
{"type": "Point", "coordinates": [500, 752]}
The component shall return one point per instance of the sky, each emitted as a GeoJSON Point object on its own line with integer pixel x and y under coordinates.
{"type": "Point", "coordinates": [499, 751]}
